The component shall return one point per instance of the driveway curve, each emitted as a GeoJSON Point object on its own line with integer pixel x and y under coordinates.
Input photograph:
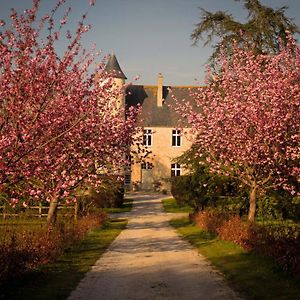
{"type": "Point", "coordinates": [148, 260]}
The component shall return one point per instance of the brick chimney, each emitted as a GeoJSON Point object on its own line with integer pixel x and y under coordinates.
{"type": "Point", "coordinates": [160, 90]}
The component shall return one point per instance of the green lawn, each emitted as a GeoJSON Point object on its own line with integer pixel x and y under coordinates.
{"type": "Point", "coordinates": [254, 277]}
{"type": "Point", "coordinates": [57, 280]}
{"type": "Point", "coordinates": [126, 207]}
{"type": "Point", "coordinates": [170, 205]}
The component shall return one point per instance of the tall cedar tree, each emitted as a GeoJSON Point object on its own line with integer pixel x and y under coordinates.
{"type": "Point", "coordinates": [265, 28]}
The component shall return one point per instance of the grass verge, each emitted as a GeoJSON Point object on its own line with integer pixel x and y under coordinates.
{"type": "Point", "coordinates": [170, 205]}
{"type": "Point", "coordinates": [126, 207]}
{"type": "Point", "coordinates": [57, 280]}
{"type": "Point", "coordinates": [253, 276]}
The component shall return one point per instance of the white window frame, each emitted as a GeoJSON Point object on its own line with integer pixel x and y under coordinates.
{"type": "Point", "coordinates": [148, 138]}
{"type": "Point", "coordinates": [176, 138]}
{"type": "Point", "coordinates": [175, 169]}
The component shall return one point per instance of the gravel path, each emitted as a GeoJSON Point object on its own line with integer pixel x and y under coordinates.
{"type": "Point", "coordinates": [149, 260]}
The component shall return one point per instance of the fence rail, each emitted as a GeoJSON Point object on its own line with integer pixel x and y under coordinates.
{"type": "Point", "coordinates": [39, 211]}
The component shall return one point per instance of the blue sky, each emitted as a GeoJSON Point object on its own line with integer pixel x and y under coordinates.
{"type": "Point", "coordinates": [150, 36]}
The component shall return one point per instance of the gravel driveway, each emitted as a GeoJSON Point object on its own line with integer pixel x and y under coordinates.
{"type": "Point", "coordinates": [148, 260]}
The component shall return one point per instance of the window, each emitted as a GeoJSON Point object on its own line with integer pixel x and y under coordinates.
{"type": "Point", "coordinates": [176, 138]}
{"type": "Point", "coordinates": [146, 166]}
{"type": "Point", "coordinates": [175, 170]}
{"type": "Point", "coordinates": [147, 139]}
{"type": "Point", "coordinates": [127, 179]}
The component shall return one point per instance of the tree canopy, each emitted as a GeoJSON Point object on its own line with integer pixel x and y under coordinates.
{"type": "Point", "coordinates": [248, 124]}
{"type": "Point", "coordinates": [265, 27]}
{"type": "Point", "coordinates": [60, 123]}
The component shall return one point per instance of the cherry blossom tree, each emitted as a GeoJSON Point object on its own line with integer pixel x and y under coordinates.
{"type": "Point", "coordinates": [59, 122]}
{"type": "Point", "coordinates": [247, 121]}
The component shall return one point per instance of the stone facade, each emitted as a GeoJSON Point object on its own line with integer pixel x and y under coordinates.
{"type": "Point", "coordinates": [154, 173]}
{"type": "Point", "coordinates": [165, 136]}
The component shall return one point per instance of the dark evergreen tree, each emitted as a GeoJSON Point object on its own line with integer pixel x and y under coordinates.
{"type": "Point", "coordinates": [265, 28]}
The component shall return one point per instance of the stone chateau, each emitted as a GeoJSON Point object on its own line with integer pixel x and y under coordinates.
{"type": "Point", "coordinates": [164, 137]}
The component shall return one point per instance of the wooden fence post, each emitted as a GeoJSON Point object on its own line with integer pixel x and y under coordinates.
{"type": "Point", "coordinates": [4, 208]}
{"type": "Point", "coordinates": [40, 209]}
{"type": "Point", "coordinates": [75, 210]}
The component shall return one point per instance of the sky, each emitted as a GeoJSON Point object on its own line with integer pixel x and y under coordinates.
{"type": "Point", "coordinates": [149, 36]}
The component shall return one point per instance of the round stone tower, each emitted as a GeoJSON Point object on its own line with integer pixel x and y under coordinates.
{"type": "Point", "coordinates": [113, 69]}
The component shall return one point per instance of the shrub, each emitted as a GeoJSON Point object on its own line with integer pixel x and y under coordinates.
{"type": "Point", "coordinates": [283, 244]}
{"type": "Point", "coordinates": [109, 194]}
{"type": "Point", "coordinates": [179, 188]}
{"type": "Point", "coordinates": [279, 242]}
{"type": "Point", "coordinates": [239, 232]}
{"type": "Point", "coordinates": [24, 248]}
{"type": "Point", "coordinates": [210, 220]}
{"type": "Point", "coordinates": [278, 205]}
{"type": "Point", "coordinates": [201, 189]}
{"type": "Point", "coordinates": [164, 191]}
{"type": "Point", "coordinates": [188, 189]}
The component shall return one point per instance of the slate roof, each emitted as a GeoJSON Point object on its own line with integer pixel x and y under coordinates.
{"type": "Point", "coordinates": [151, 114]}
{"type": "Point", "coordinates": [112, 67]}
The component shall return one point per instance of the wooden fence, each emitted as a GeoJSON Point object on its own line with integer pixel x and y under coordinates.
{"type": "Point", "coordinates": [39, 211]}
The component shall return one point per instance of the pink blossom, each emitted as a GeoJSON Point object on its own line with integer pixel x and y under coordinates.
{"type": "Point", "coordinates": [60, 125]}
{"type": "Point", "coordinates": [248, 121]}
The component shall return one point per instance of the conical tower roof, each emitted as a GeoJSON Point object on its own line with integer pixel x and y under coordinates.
{"type": "Point", "coordinates": [112, 67]}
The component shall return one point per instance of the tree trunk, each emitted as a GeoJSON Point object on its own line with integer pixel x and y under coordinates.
{"type": "Point", "coordinates": [252, 207]}
{"type": "Point", "coordinates": [52, 211]}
